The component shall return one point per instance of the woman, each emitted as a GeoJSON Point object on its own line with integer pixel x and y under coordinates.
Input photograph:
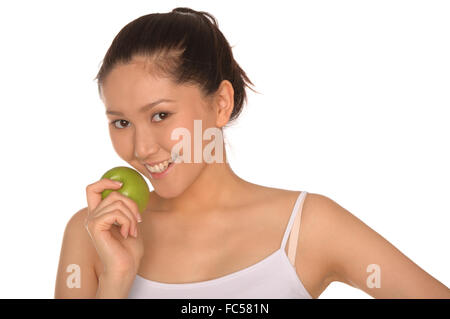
{"type": "Point", "coordinates": [206, 232]}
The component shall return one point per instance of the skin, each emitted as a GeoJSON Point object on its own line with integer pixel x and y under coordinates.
{"type": "Point", "coordinates": [333, 244]}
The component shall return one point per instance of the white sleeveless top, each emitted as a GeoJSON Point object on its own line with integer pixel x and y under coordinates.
{"type": "Point", "coordinates": [274, 277]}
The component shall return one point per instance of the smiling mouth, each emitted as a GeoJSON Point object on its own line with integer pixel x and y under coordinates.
{"type": "Point", "coordinates": [161, 167]}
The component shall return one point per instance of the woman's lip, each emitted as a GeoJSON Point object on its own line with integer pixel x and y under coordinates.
{"type": "Point", "coordinates": [163, 173]}
{"type": "Point", "coordinates": [157, 163]}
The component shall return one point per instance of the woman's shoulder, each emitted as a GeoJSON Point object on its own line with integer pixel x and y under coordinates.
{"type": "Point", "coordinates": [311, 260]}
{"type": "Point", "coordinates": [277, 206]}
{"type": "Point", "coordinates": [289, 196]}
{"type": "Point", "coordinates": [311, 200]}
{"type": "Point", "coordinates": [76, 230]}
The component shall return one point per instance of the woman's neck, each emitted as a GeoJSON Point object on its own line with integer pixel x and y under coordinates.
{"type": "Point", "coordinates": [213, 189]}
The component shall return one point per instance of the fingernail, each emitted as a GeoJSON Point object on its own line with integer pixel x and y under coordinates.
{"type": "Point", "coordinates": [135, 233]}
{"type": "Point", "coordinates": [118, 183]}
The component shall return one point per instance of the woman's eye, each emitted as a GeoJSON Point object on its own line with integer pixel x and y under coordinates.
{"type": "Point", "coordinates": [166, 114]}
{"type": "Point", "coordinates": [161, 115]}
{"type": "Point", "coordinates": [118, 121]}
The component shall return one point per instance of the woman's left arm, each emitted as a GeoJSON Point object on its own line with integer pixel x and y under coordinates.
{"type": "Point", "coordinates": [362, 258]}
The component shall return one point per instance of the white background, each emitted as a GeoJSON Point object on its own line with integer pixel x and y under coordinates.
{"type": "Point", "coordinates": [354, 106]}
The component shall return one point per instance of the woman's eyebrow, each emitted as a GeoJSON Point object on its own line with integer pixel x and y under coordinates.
{"type": "Point", "coordinates": [144, 108]}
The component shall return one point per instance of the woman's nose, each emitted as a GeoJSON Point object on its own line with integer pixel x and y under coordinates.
{"type": "Point", "coordinates": [145, 146]}
{"type": "Point", "coordinates": [142, 152]}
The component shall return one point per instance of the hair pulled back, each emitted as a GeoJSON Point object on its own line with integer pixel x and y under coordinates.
{"type": "Point", "coordinates": [184, 45]}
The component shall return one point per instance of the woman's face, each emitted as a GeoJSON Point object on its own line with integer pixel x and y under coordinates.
{"type": "Point", "coordinates": [142, 134]}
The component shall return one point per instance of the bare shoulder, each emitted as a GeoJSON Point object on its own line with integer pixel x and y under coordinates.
{"type": "Point", "coordinates": [311, 261]}
{"type": "Point", "coordinates": [77, 223]}
{"type": "Point", "coordinates": [323, 229]}
{"type": "Point", "coordinates": [77, 219]}
{"type": "Point", "coordinates": [76, 227]}
{"type": "Point", "coordinates": [351, 252]}
{"type": "Point", "coordinates": [77, 250]}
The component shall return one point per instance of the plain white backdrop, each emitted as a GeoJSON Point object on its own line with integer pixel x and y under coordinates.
{"type": "Point", "coordinates": [354, 105]}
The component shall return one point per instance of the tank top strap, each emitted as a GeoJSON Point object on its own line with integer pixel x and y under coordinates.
{"type": "Point", "coordinates": [297, 207]}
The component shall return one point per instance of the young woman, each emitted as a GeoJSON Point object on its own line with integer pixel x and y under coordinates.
{"type": "Point", "coordinates": [206, 232]}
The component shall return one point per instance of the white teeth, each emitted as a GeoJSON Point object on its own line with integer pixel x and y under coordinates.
{"type": "Point", "coordinates": [158, 168]}
{"type": "Point", "coordinates": [162, 166]}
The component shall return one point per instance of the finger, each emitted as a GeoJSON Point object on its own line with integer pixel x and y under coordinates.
{"type": "Point", "coordinates": [132, 205]}
{"type": "Point", "coordinates": [94, 191]}
{"type": "Point", "coordinates": [106, 220]}
{"type": "Point", "coordinates": [120, 205]}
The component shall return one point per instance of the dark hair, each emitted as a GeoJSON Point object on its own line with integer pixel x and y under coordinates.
{"type": "Point", "coordinates": [185, 45]}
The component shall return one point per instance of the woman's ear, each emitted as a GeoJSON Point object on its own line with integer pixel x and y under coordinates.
{"type": "Point", "coordinates": [224, 103]}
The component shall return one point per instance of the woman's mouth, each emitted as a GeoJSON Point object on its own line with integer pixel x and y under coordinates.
{"type": "Point", "coordinates": [161, 169]}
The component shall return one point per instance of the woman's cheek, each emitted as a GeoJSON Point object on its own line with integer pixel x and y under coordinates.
{"type": "Point", "coordinates": [121, 145]}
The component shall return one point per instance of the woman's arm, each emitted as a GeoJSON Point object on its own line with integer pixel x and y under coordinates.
{"type": "Point", "coordinates": [76, 276]}
{"type": "Point", "coordinates": [362, 258]}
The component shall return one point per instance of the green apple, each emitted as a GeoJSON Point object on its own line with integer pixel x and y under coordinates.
{"type": "Point", "coordinates": [134, 185]}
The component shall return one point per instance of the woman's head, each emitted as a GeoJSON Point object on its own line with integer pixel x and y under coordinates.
{"type": "Point", "coordinates": [184, 45]}
{"type": "Point", "coordinates": [180, 56]}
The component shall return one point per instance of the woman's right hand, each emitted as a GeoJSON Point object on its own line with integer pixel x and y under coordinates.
{"type": "Point", "coordinates": [120, 252]}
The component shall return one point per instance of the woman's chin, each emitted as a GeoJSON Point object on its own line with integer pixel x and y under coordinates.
{"type": "Point", "coordinates": [166, 193]}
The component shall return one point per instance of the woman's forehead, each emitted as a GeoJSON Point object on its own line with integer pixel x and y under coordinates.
{"type": "Point", "coordinates": [127, 85]}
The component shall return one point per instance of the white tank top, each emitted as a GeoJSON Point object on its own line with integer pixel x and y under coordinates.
{"type": "Point", "coordinates": [274, 277]}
